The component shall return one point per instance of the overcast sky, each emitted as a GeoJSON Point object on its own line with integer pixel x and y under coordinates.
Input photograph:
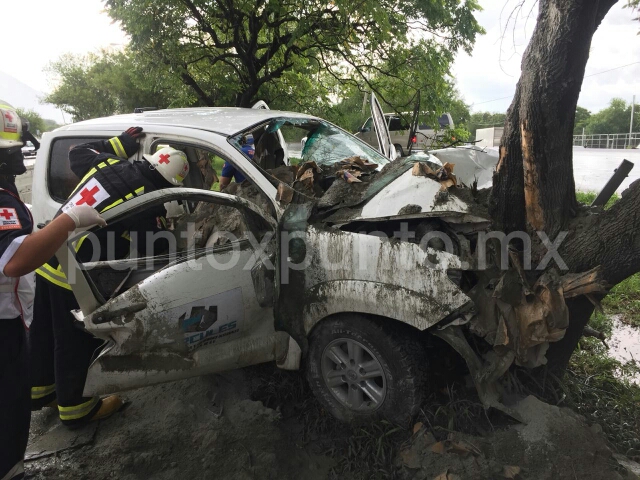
{"type": "Point", "coordinates": [43, 30]}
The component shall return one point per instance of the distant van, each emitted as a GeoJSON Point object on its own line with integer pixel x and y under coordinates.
{"type": "Point", "coordinates": [399, 130]}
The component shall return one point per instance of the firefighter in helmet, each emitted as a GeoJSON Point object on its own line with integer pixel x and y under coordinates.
{"type": "Point", "coordinates": [60, 351]}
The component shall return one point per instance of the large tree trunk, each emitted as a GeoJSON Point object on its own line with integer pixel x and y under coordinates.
{"type": "Point", "coordinates": [533, 187]}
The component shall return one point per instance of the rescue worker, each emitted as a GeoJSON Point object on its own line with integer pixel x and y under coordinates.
{"type": "Point", "coordinates": [21, 252]}
{"type": "Point", "coordinates": [229, 171]}
{"type": "Point", "coordinates": [60, 351]}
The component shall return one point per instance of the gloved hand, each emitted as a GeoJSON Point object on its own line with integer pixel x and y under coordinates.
{"type": "Point", "coordinates": [129, 141]}
{"type": "Point", "coordinates": [135, 132]}
{"type": "Point", "coordinates": [85, 216]}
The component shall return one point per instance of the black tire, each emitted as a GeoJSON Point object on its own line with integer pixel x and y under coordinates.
{"type": "Point", "coordinates": [399, 150]}
{"type": "Point", "coordinates": [397, 349]}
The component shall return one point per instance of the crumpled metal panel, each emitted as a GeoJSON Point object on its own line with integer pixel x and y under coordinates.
{"type": "Point", "coordinates": [409, 189]}
{"type": "Point", "coordinates": [472, 164]}
{"type": "Point", "coordinates": [354, 272]}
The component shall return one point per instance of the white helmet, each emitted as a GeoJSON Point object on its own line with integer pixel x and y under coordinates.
{"type": "Point", "coordinates": [172, 164]}
{"type": "Point", "coordinates": [10, 127]}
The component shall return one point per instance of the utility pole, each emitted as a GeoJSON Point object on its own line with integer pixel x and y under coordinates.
{"type": "Point", "coordinates": [633, 106]}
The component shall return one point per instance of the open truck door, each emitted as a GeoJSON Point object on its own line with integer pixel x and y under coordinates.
{"type": "Point", "coordinates": [382, 129]}
{"type": "Point", "coordinates": [199, 309]}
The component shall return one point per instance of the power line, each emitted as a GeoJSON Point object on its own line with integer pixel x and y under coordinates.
{"type": "Point", "coordinates": [612, 69]}
{"type": "Point", "coordinates": [489, 101]}
{"type": "Point", "coordinates": [586, 76]}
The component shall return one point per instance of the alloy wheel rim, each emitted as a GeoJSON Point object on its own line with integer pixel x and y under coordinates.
{"type": "Point", "coordinates": [354, 375]}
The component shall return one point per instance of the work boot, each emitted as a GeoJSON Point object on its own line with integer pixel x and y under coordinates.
{"type": "Point", "coordinates": [110, 405]}
{"type": "Point", "coordinates": [52, 404]}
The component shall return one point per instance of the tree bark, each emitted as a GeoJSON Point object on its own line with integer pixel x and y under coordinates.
{"type": "Point", "coordinates": [533, 187]}
{"type": "Point", "coordinates": [533, 183]}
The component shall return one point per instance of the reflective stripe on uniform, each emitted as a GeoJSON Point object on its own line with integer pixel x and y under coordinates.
{"type": "Point", "coordinates": [117, 147]}
{"type": "Point", "coordinates": [77, 411]}
{"type": "Point", "coordinates": [91, 173]}
{"type": "Point", "coordinates": [54, 276]}
{"type": "Point", "coordinates": [128, 196]}
{"type": "Point", "coordinates": [39, 392]}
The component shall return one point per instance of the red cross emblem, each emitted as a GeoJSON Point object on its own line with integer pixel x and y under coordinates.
{"type": "Point", "coordinates": [87, 196]}
{"type": "Point", "coordinates": [163, 158]}
{"type": "Point", "coordinates": [6, 214]}
{"type": "Point", "coordinates": [9, 116]}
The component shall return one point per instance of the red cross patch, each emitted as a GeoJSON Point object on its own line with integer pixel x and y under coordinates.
{"type": "Point", "coordinates": [9, 219]}
{"type": "Point", "coordinates": [91, 193]}
{"type": "Point", "coordinates": [163, 158]}
{"type": "Point", "coordinates": [9, 123]}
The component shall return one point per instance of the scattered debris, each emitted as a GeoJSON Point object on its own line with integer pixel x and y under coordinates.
{"type": "Point", "coordinates": [59, 439]}
{"type": "Point", "coordinates": [555, 443]}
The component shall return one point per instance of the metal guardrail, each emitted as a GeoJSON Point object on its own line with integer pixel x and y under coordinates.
{"type": "Point", "coordinates": [607, 140]}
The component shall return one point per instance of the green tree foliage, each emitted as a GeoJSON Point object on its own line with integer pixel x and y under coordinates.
{"type": "Point", "coordinates": [484, 120]}
{"type": "Point", "coordinates": [237, 52]}
{"type": "Point", "coordinates": [36, 123]}
{"type": "Point", "coordinates": [582, 120]}
{"type": "Point", "coordinates": [614, 119]}
{"type": "Point", "coordinates": [108, 83]}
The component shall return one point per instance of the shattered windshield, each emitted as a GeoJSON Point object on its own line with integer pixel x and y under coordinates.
{"type": "Point", "coordinates": [306, 140]}
{"type": "Point", "coordinates": [327, 145]}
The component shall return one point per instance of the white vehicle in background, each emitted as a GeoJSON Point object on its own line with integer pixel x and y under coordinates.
{"type": "Point", "coordinates": [213, 306]}
{"type": "Point", "coordinates": [400, 132]}
{"type": "Point", "coordinates": [29, 150]}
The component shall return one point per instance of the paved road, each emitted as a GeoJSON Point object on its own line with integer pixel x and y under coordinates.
{"type": "Point", "coordinates": [592, 167]}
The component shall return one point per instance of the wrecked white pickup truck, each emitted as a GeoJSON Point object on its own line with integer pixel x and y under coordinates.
{"type": "Point", "coordinates": [344, 260]}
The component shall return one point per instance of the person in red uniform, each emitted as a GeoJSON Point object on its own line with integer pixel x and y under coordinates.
{"type": "Point", "coordinates": [21, 252]}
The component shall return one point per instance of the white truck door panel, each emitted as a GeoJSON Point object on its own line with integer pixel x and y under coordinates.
{"type": "Point", "coordinates": [171, 324]}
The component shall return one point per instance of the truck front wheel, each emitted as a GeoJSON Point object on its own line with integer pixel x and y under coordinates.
{"type": "Point", "coordinates": [363, 368]}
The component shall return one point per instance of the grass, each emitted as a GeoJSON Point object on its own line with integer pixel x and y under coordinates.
{"type": "Point", "coordinates": [360, 451]}
{"type": "Point", "coordinates": [600, 388]}
{"type": "Point", "coordinates": [624, 298]}
{"type": "Point", "coordinates": [588, 197]}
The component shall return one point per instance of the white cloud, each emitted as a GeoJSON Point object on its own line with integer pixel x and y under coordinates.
{"type": "Point", "coordinates": [491, 72]}
{"type": "Point", "coordinates": [42, 30]}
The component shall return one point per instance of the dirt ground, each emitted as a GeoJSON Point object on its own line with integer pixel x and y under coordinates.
{"type": "Point", "coordinates": [214, 427]}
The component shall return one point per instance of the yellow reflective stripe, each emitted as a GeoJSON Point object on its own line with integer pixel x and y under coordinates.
{"type": "Point", "coordinates": [91, 173]}
{"type": "Point", "coordinates": [114, 204]}
{"type": "Point", "coordinates": [54, 276]}
{"type": "Point", "coordinates": [39, 392]}
{"type": "Point", "coordinates": [53, 280]}
{"type": "Point", "coordinates": [164, 222]}
{"type": "Point", "coordinates": [128, 196]}
{"type": "Point", "coordinates": [77, 411]}
{"type": "Point", "coordinates": [76, 246]}
{"type": "Point", "coordinates": [57, 272]}
{"type": "Point", "coordinates": [126, 236]}
{"type": "Point", "coordinates": [117, 147]}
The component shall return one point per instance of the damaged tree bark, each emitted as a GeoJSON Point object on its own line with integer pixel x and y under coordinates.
{"type": "Point", "coordinates": [533, 188]}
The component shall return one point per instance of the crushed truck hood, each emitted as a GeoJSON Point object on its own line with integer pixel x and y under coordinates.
{"type": "Point", "coordinates": [397, 192]}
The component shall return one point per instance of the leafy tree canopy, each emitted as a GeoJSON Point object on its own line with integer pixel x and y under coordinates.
{"type": "Point", "coordinates": [107, 83]}
{"type": "Point", "coordinates": [484, 120]}
{"type": "Point", "coordinates": [582, 120]}
{"type": "Point", "coordinates": [36, 123]}
{"type": "Point", "coordinates": [233, 53]}
{"type": "Point", "coordinates": [613, 119]}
